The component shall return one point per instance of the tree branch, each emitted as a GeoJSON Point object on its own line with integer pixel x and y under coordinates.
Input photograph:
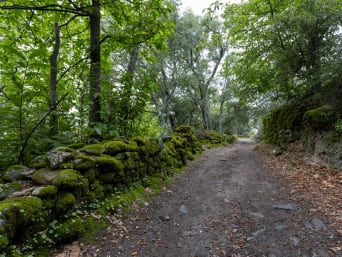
{"type": "Point", "coordinates": [24, 145]}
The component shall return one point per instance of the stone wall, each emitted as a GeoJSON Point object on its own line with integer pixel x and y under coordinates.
{"type": "Point", "coordinates": [314, 126]}
{"type": "Point", "coordinates": [32, 198]}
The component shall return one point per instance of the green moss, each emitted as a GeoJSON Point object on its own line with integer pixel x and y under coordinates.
{"type": "Point", "coordinates": [279, 121]}
{"type": "Point", "coordinates": [68, 230]}
{"type": "Point", "coordinates": [64, 149]}
{"type": "Point", "coordinates": [3, 242]}
{"type": "Point", "coordinates": [76, 145]}
{"type": "Point", "coordinates": [139, 140]}
{"type": "Point", "coordinates": [92, 227]}
{"type": "Point", "coordinates": [9, 188]}
{"type": "Point", "coordinates": [39, 165]}
{"type": "Point", "coordinates": [49, 204]}
{"type": "Point", "coordinates": [114, 147]}
{"type": "Point", "coordinates": [84, 163]}
{"type": "Point", "coordinates": [70, 179]}
{"type": "Point", "coordinates": [318, 118]}
{"type": "Point", "coordinates": [48, 192]}
{"type": "Point", "coordinates": [109, 164]}
{"type": "Point", "coordinates": [65, 202]}
{"type": "Point", "coordinates": [151, 147]}
{"type": "Point", "coordinates": [189, 156]}
{"type": "Point", "coordinates": [18, 213]}
{"type": "Point", "coordinates": [68, 165]}
{"type": "Point", "coordinates": [91, 175]}
{"type": "Point", "coordinates": [16, 167]}
{"type": "Point", "coordinates": [96, 191]}
{"type": "Point", "coordinates": [95, 149]}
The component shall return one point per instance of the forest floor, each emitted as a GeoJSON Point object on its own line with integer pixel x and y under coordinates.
{"type": "Point", "coordinates": [234, 201]}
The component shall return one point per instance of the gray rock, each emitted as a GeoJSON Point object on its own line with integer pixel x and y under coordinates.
{"type": "Point", "coordinates": [37, 190]}
{"type": "Point", "coordinates": [258, 232]}
{"type": "Point", "coordinates": [55, 158]}
{"type": "Point", "coordinates": [287, 207]}
{"type": "Point", "coordinates": [24, 192]}
{"type": "Point", "coordinates": [318, 224]}
{"type": "Point", "coordinates": [183, 210]}
{"type": "Point", "coordinates": [280, 227]}
{"type": "Point", "coordinates": [7, 189]}
{"type": "Point", "coordinates": [294, 240]}
{"type": "Point", "coordinates": [257, 215]}
{"type": "Point", "coordinates": [18, 172]}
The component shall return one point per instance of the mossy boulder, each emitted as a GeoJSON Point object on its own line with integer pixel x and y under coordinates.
{"type": "Point", "coordinates": [68, 230]}
{"type": "Point", "coordinates": [18, 172]}
{"type": "Point", "coordinates": [65, 202]}
{"type": "Point", "coordinates": [96, 191]}
{"type": "Point", "coordinates": [45, 192]}
{"type": "Point", "coordinates": [3, 242]}
{"type": "Point", "coordinates": [66, 179]}
{"type": "Point", "coordinates": [84, 163]}
{"type": "Point", "coordinates": [38, 162]}
{"type": "Point", "coordinates": [9, 188]}
{"type": "Point", "coordinates": [114, 147]}
{"type": "Point", "coordinates": [76, 145]}
{"type": "Point", "coordinates": [319, 118]}
{"type": "Point", "coordinates": [109, 164]}
{"type": "Point", "coordinates": [56, 157]}
{"type": "Point", "coordinates": [283, 124]}
{"type": "Point", "coordinates": [94, 149]}
{"type": "Point", "coordinates": [151, 147]}
{"type": "Point", "coordinates": [139, 140]}
{"type": "Point", "coordinates": [19, 213]}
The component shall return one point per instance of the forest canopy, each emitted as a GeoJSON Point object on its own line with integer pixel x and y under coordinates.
{"type": "Point", "coordinates": [88, 70]}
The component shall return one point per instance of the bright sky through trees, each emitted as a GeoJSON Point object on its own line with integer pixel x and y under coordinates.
{"type": "Point", "coordinates": [199, 5]}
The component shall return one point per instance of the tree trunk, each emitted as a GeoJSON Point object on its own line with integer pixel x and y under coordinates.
{"type": "Point", "coordinates": [53, 83]}
{"type": "Point", "coordinates": [95, 65]}
{"type": "Point", "coordinates": [220, 117]}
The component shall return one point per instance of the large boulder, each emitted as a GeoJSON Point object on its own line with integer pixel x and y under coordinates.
{"type": "Point", "coordinates": [18, 172]}
{"type": "Point", "coordinates": [65, 179]}
{"type": "Point", "coordinates": [7, 189]}
{"type": "Point", "coordinates": [16, 213]}
{"type": "Point", "coordinates": [57, 157]}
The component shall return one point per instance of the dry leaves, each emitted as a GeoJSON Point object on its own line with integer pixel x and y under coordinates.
{"type": "Point", "coordinates": [318, 185]}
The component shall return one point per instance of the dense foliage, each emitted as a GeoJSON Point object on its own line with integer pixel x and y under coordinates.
{"type": "Point", "coordinates": [83, 71]}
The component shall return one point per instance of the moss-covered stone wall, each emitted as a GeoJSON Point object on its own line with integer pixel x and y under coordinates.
{"type": "Point", "coordinates": [316, 127]}
{"type": "Point", "coordinates": [32, 198]}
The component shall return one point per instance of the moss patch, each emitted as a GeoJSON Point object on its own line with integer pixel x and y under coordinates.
{"type": "Point", "coordinates": [18, 213]}
{"type": "Point", "coordinates": [3, 242]}
{"type": "Point", "coordinates": [68, 230]}
{"type": "Point", "coordinates": [84, 163]}
{"type": "Point", "coordinates": [65, 203]}
{"type": "Point", "coordinates": [114, 147]}
{"type": "Point", "coordinates": [47, 192]}
{"type": "Point", "coordinates": [95, 149]}
{"type": "Point", "coordinates": [318, 118]}
{"type": "Point", "coordinates": [109, 164]}
{"type": "Point", "coordinates": [65, 179]}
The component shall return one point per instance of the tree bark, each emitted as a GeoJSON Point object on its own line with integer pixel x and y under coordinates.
{"type": "Point", "coordinates": [53, 83]}
{"type": "Point", "coordinates": [95, 64]}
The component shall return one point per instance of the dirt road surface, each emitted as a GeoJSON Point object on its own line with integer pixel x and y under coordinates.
{"type": "Point", "coordinates": [225, 204]}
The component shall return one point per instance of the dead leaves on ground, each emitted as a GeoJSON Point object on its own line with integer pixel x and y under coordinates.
{"type": "Point", "coordinates": [320, 186]}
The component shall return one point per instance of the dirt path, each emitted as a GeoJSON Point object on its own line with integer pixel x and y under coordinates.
{"type": "Point", "coordinates": [226, 204]}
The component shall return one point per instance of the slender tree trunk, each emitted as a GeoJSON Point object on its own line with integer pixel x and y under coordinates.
{"type": "Point", "coordinates": [205, 109]}
{"type": "Point", "coordinates": [95, 65]}
{"type": "Point", "coordinates": [220, 117]}
{"type": "Point", "coordinates": [53, 83]}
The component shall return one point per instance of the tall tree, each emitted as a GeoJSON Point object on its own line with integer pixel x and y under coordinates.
{"type": "Point", "coordinates": [284, 46]}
